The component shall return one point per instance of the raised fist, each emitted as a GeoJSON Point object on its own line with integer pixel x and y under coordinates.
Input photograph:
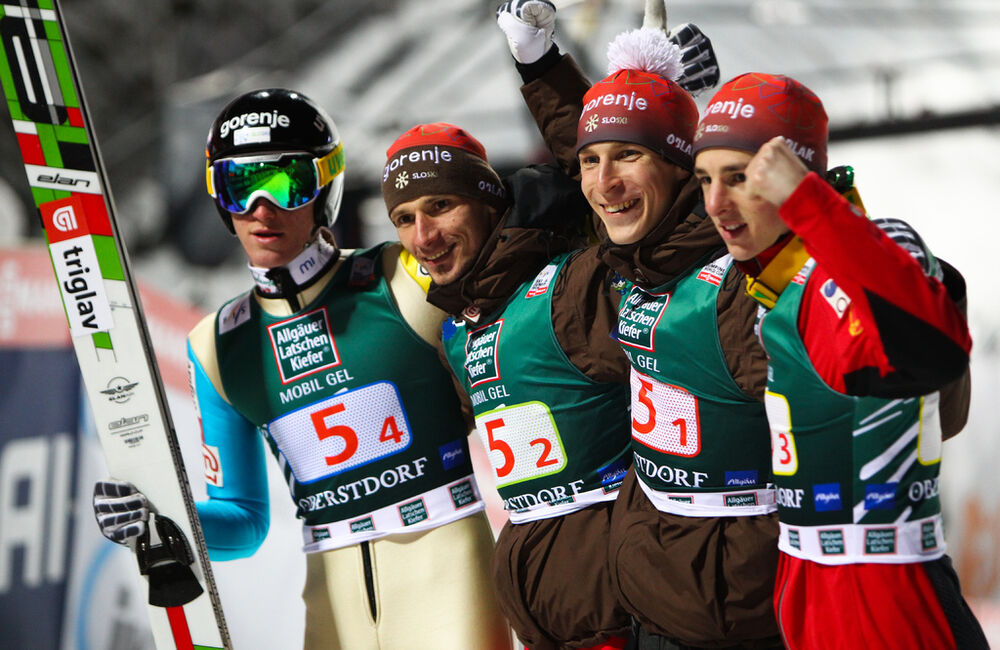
{"type": "Point", "coordinates": [701, 69]}
{"type": "Point", "coordinates": [529, 25]}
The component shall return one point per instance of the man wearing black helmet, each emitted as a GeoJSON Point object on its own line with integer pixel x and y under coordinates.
{"type": "Point", "coordinates": [332, 358]}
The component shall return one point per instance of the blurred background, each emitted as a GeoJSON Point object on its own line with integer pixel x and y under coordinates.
{"type": "Point", "coordinates": [912, 88]}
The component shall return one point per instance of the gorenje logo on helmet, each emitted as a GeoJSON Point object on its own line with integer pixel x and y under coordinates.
{"type": "Point", "coordinates": [272, 119]}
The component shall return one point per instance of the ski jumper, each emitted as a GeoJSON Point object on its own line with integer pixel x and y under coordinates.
{"type": "Point", "coordinates": [701, 458]}
{"type": "Point", "coordinates": [364, 422]}
{"type": "Point", "coordinates": [856, 353]}
{"type": "Point", "coordinates": [670, 570]}
{"type": "Point", "coordinates": [558, 444]}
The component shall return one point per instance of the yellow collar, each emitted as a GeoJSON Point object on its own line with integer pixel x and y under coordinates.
{"type": "Point", "coordinates": [767, 286]}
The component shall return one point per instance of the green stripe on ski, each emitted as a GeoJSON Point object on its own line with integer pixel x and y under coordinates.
{"type": "Point", "coordinates": [15, 109]}
{"type": "Point", "coordinates": [107, 257]}
{"type": "Point", "coordinates": [52, 30]}
{"type": "Point", "coordinates": [50, 145]}
{"type": "Point", "coordinates": [44, 195]}
{"type": "Point", "coordinates": [76, 134]}
{"type": "Point", "coordinates": [64, 73]}
{"type": "Point", "coordinates": [7, 81]}
{"type": "Point", "coordinates": [102, 340]}
{"type": "Point", "coordinates": [46, 4]}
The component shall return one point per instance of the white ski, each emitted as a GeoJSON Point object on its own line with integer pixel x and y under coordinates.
{"type": "Point", "coordinates": [108, 329]}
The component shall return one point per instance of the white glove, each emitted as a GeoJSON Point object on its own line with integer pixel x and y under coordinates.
{"type": "Point", "coordinates": [529, 25]}
{"type": "Point", "coordinates": [121, 510]}
{"type": "Point", "coordinates": [701, 69]}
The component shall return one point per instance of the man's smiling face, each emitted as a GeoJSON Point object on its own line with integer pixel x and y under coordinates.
{"type": "Point", "coordinates": [629, 186]}
{"type": "Point", "coordinates": [444, 232]}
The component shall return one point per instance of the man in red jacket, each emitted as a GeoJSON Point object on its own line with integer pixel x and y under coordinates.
{"type": "Point", "coordinates": [860, 334]}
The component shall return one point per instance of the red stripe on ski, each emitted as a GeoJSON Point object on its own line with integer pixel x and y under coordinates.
{"type": "Point", "coordinates": [31, 149]}
{"type": "Point", "coordinates": [75, 116]}
{"type": "Point", "coordinates": [179, 628]}
{"type": "Point", "coordinates": [97, 213]}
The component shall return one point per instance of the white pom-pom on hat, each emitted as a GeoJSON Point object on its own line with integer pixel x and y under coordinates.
{"type": "Point", "coordinates": [646, 49]}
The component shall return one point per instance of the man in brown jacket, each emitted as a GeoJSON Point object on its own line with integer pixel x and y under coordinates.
{"type": "Point", "coordinates": [540, 317]}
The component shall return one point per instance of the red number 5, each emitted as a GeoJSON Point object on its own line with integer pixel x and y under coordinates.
{"type": "Point", "coordinates": [643, 397]}
{"type": "Point", "coordinates": [338, 430]}
{"type": "Point", "coordinates": [501, 446]}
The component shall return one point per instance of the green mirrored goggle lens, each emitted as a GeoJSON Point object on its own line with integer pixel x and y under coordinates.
{"type": "Point", "coordinates": [288, 181]}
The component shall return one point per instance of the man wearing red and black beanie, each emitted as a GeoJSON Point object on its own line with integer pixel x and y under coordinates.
{"type": "Point", "coordinates": [861, 334]}
{"type": "Point", "coordinates": [552, 420]}
{"type": "Point", "coordinates": [692, 543]}
{"type": "Point", "coordinates": [506, 360]}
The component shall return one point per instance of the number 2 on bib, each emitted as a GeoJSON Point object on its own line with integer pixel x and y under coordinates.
{"type": "Point", "coordinates": [664, 417]}
{"type": "Point", "coordinates": [522, 441]}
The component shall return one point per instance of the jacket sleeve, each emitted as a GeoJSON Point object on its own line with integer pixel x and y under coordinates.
{"type": "Point", "coordinates": [872, 321]}
{"type": "Point", "coordinates": [555, 100]}
{"type": "Point", "coordinates": [956, 395]}
{"type": "Point", "coordinates": [236, 516]}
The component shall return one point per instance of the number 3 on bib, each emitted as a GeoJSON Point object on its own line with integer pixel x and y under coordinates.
{"type": "Point", "coordinates": [664, 417]}
{"type": "Point", "coordinates": [784, 457]}
{"type": "Point", "coordinates": [522, 441]}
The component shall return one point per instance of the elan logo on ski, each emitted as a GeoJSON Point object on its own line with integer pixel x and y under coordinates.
{"type": "Point", "coordinates": [78, 271]}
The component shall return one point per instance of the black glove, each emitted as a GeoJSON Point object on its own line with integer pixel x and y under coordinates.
{"type": "Point", "coordinates": [121, 510]}
{"type": "Point", "coordinates": [701, 69]}
{"type": "Point", "coordinates": [903, 234]}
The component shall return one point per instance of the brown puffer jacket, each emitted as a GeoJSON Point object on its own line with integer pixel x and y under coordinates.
{"type": "Point", "coordinates": [551, 576]}
{"type": "Point", "coordinates": [703, 581]}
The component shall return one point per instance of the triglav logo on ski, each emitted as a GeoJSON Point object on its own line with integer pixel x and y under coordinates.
{"type": "Point", "coordinates": [481, 354]}
{"type": "Point", "coordinates": [64, 219]}
{"type": "Point", "coordinates": [119, 390]}
{"type": "Point", "coordinates": [77, 268]}
{"type": "Point", "coordinates": [303, 345]}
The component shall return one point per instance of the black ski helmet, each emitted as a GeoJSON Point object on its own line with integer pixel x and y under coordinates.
{"type": "Point", "coordinates": [280, 120]}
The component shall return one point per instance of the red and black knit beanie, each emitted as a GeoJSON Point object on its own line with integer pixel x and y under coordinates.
{"type": "Point", "coordinates": [639, 101]}
{"type": "Point", "coordinates": [439, 158]}
{"type": "Point", "coordinates": [754, 107]}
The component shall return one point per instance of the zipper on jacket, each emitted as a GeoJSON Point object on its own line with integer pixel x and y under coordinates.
{"type": "Point", "coordinates": [366, 560]}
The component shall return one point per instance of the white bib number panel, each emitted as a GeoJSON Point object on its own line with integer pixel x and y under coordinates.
{"type": "Point", "coordinates": [664, 417]}
{"type": "Point", "coordinates": [784, 456]}
{"type": "Point", "coordinates": [342, 432]}
{"type": "Point", "coordinates": [522, 441]}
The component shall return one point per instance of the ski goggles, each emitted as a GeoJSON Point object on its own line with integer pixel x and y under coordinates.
{"type": "Point", "coordinates": [288, 180]}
